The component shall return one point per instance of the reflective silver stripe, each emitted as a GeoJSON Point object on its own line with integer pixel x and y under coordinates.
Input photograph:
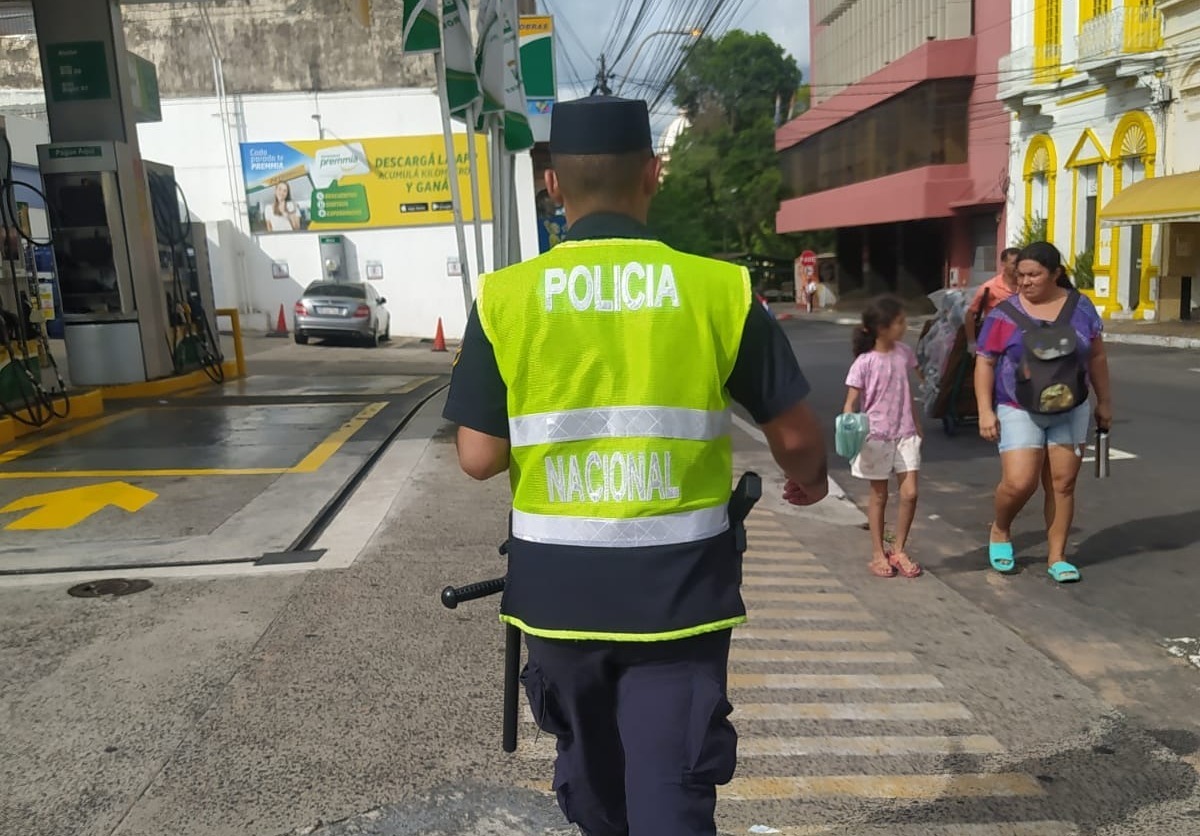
{"type": "Point", "coordinates": [619, 422]}
{"type": "Point", "coordinates": [686, 527]}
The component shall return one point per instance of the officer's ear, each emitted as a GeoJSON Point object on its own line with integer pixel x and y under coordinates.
{"type": "Point", "coordinates": [553, 188]}
{"type": "Point", "coordinates": [652, 176]}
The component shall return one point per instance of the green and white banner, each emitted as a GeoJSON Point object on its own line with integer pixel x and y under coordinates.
{"type": "Point", "coordinates": [537, 72]}
{"type": "Point", "coordinates": [497, 63]}
{"type": "Point", "coordinates": [462, 85]}
{"type": "Point", "coordinates": [421, 31]}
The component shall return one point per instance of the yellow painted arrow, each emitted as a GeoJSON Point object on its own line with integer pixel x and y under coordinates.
{"type": "Point", "coordinates": [63, 509]}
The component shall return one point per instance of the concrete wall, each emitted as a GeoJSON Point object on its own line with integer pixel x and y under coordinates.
{"type": "Point", "coordinates": [266, 46]}
{"type": "Point", "coordinates": [1181, 29]}
{"type": "Point", "coordinates": [859, 37]}
{"type": "Point", "coordinates": [414, 258]}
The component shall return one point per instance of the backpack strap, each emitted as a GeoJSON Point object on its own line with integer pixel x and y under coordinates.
{"type": "Point", "coordinates": [1068, 308]}
{"type": "Point", "coordinates": [1023, 320]}
{"type": "Point", "coordinates": [1027, 323]}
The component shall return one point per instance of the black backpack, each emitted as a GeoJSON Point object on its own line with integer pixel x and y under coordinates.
{"type": "Point", "coordinates": [1051, 377]}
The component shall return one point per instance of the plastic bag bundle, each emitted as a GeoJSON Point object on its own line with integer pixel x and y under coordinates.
{"type": "Point", "coordinates": [934, 348]}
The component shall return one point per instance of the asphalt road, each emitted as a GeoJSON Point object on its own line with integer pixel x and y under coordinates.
{"type": "Point", "coordinates": [1136, 533]}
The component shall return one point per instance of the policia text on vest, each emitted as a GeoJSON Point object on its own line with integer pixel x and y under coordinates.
{"type": "Point", "coordinates": [629, 287]}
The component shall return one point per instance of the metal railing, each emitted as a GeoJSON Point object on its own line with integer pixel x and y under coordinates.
{"type": "Point", "coordinates": [1124, 30]}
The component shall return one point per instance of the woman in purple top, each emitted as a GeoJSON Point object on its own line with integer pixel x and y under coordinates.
{"type": "Point", "coordinates": [1038, 444]}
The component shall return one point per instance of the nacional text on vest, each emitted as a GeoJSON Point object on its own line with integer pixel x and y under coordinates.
{"type": "Point", "coordinates": [631, 287]}
{"type": "Point", "coordinates": [610, 477]}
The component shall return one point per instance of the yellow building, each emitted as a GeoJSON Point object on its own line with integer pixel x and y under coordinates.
{"type": "Point", "coordinates": [1085, 85]}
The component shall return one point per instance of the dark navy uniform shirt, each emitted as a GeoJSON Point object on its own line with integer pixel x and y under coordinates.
{"type": "Point", "coordinates": [766, 378]}
{"type": "Point", "coordinates": [626, 591]}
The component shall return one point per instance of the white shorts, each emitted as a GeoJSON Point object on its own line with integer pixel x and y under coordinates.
{"type": "Point", "coordinates": [878, 460]}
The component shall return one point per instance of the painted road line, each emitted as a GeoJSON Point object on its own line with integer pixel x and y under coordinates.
{"type": "Point", "coordinates": [814, 636]}
{"type": "Point", "coordinates": [324, 451]}
{"type": "Point", "coordinates": [861, 711]}
{"type": "Point", "coordinates": [905, 787]}
{"type": "Point", "coordinates": [1032, 828]}
{"type": "Point", "coordinates": [868, 746]}
{"type": "Point", "coordinates": [783, 614]}
{"type": "Point", "coordinates": [544, 746]}
{"type": "Point", "coordinates": [778, 557]}
{"type": "Point", "coordinates": [823, 657]}
{"type": "Point", "coordinates": [143, 474]}
{"type": "Point", "coordinates": [772, 597]}
{"type": "Point", "coordinates": [830, 711]}
{"type": "Point", "coordinates": [34, 444]}
{"type": "Point", "coordinates": [784, 571]}
{"type": "Point", "coordinates": [835, 682]}
{"type": "Point", "coordinates": [785, 582]}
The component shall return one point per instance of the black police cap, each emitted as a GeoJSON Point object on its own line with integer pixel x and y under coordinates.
{"type": "Point", "coordinates": [600, 125]}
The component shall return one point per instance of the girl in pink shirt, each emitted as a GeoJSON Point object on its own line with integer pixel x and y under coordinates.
{"type": "Point", "coordinates": [879, 378]}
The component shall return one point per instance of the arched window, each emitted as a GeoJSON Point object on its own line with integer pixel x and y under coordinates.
{"type": "Point", "coordinates": [1086, 164]}
{"type": "Point", "coordinates": [1041, 176]}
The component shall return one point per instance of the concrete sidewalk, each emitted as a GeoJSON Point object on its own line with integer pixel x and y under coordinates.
{"type": "Point", "coordinates": [1185, 335]}
{"type": "Point", "coordinates": [350, 702]}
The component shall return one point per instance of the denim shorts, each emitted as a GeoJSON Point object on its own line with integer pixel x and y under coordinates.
{"type": "Point", "coordinates": [1022, 430]}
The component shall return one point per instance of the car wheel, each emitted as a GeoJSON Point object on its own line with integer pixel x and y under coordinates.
{"type": "Point", "coordinates": [301, 338]}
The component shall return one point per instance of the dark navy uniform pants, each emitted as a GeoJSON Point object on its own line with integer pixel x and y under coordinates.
{"type": "Point", "coordinates": [643, 731]}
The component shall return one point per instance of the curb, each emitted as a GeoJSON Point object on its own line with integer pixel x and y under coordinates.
{"type": "Point", "coordinates": [1192, 343]}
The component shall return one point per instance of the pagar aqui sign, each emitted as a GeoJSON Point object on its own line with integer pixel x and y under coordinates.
{"type": "Point", "coordinates": [358, 183]}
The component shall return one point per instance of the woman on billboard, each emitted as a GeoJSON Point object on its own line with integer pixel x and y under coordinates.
{"type": "Point", "coordinates": [282, 215]}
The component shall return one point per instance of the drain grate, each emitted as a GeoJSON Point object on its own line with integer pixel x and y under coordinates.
{"type": "Point", "coordinates": [114, 586]}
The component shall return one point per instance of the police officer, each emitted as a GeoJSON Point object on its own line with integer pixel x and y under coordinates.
{"type": "Point", "coordinates": [600, 374]}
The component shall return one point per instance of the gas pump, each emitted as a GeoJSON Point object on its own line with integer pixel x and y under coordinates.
{"type": "Point", "coordinates": [185, 276]}
{"type": "Point", "coordinates": [114, 317]}
{"type": "Point", "coordinates": [26, 361]}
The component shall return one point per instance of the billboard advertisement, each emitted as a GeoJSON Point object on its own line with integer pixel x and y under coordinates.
{"type": "Point", "coordinates": [343, 184]}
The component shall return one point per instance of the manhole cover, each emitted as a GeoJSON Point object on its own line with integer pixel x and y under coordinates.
{"type": "Point", "coordinates": [114, 586]}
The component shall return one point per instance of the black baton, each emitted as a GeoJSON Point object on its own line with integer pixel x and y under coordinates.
{"type": "Point", "coordinates": [451, 598]}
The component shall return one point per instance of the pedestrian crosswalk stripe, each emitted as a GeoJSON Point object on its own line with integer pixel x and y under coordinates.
{"type": "Point", "coordinates": [923, 787]}
{"type": "Point", "coordinates": [784, 571]}
{"type": "Point", "coordinates": [753, 581]}
{"type": "Point", "coordinates": [835, 682]}
{"type": "Point", "coordinates": [907, 711]}
{"type": "Point", "coordinates": [868, 746]}
{"type": "Point", "coordinates": [544, 746]}
{"type": "Point", "coordinates": [754, 556]}
{"type": "Point", "coordinates": [773, 597]}
{"type": "Point", "coordinates": [827, 657]}
{"type": "Point", "coordinates": [815, 636]}
{"type": "Point", "coordinates": [790, 614]}
{"type": "Point", "coordinates": [1036, 828]}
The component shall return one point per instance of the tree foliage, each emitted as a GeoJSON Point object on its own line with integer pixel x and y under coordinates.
{"type": "Point", "coordinates": [740, 77]}
{"type": "Point", "coordinates": [723, 184]}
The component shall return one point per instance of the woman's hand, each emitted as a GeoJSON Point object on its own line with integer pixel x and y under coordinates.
{"type": "Point", "coordinates": [989, 426]}
{"type": "Point", "coordinates": [1104, 416]}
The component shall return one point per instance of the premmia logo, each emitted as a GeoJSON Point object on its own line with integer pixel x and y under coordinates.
{"type": "Point", "coordinates": [339, 161]}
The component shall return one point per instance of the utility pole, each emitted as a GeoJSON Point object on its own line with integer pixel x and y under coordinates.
{"type": "Point", "coordinates": [602, 78]}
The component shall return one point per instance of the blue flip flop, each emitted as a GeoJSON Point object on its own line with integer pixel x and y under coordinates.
{"type": "Point", "coordinates": [1063, 572]}
{"type": "Point", "coordinates": [1000, 555]}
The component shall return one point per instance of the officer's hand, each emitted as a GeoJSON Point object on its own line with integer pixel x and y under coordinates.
{"type": "Point", "coordinates": [797, 495]}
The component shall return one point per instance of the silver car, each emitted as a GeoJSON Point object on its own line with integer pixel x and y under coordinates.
{"type": "Point", "coordinates": [330, 309]}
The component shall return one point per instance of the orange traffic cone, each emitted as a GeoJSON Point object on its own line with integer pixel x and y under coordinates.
{"type": "Point", "coordinates": [439, 337]}
{"type": "Point", "coordinates": [280, 325]}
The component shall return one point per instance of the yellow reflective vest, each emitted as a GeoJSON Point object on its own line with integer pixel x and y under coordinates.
{"type": "Point", "coordinates": [615, 354]}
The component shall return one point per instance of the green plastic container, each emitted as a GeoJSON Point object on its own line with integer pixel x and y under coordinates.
{"type": "Point", "coordinates": [850, 431]}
